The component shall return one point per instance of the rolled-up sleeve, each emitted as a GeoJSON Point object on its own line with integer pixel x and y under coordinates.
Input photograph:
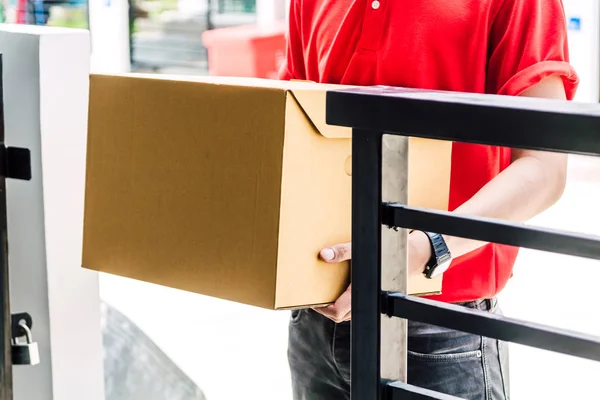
{"type": "Point", "coordinates": [528, 42]}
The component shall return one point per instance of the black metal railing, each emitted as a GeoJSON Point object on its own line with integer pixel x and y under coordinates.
{"type": "Point", "coordinates": [537, 124]}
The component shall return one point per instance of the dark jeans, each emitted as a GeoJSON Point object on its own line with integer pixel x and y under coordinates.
{"type": "Point", "coordinates": [460, 364]}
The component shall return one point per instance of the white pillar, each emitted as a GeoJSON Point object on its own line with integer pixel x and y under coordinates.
{"type": "Point", "coordinates": [45, 77]}
{"type": "Point", "coordinates": [109, 30]}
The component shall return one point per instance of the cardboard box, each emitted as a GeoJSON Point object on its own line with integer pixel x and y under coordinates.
{"type": "Point", "coordinates": [228, 187]}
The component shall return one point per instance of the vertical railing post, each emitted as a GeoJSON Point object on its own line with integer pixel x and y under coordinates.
{"type": "Point", "coordinates": [6, 389]}
{"type": "Point", "coordinates": [394, 277]}
{"type": "Point", "coordinates": [366, 258]}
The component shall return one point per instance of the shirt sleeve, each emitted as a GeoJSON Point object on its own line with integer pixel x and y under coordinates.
{"type": "Point", "coordinates": [293, 64]}
{"type": "Point", "coordinates": [528, 42]}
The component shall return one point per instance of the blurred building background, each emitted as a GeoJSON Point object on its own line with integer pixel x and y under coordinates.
{"type": "Point", "coordinates": [167, 36]}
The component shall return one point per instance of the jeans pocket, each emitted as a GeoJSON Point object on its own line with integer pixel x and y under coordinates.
{"type": "Point", "coordinates": [450, 357]}
{"type": "Point", "coordinates": [459, 374]}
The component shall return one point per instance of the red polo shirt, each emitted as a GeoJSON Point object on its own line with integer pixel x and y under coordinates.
{"type": "Point", "coordinates": [481, 46]}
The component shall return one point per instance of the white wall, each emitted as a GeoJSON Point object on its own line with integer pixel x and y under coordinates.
{"type": "Point", "coordinates": [559, 291]}
{"type": "Point", "coordinates": [109, 30]}
{"type": "Point", "coordinates": [269, 12]}
{"type": "Point", "coordinates": [583, 17]}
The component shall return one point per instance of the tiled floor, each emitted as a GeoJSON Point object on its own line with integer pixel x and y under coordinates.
{"type": "Point", "coordinates": [238, 352]}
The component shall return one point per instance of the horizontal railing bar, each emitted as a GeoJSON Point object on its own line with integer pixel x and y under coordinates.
{"type": "Point", "coordinates": [492, 325]}
{"type": "Point", "coordinates": [491, 230]}
{"type": "Point", "coordinates": [404, 391]}
{"type": "Point", "coordinates": [508, 121]}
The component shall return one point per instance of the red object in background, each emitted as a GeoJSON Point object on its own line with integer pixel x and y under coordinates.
{"type": "Point", "coordinates": [21, 11]}
{"type": "Point", "coordinates": [248, 51]}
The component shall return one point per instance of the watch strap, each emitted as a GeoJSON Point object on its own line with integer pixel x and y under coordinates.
{"type": "Point", "coordinates": [440, 255]}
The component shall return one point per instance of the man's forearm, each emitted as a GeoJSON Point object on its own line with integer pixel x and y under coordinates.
{"type": "Point", "coordinates": [533, 182]}
{"type": "Point", "coordinates": [522, 191]}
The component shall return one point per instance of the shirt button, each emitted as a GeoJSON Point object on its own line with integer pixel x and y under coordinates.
{"type": "Point", "coordinates": [375, 5]}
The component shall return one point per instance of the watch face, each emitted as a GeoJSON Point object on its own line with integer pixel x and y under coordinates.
{"type": "Point", "coordinates": [441, 268]}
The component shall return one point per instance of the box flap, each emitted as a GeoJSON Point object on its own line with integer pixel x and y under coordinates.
{"type": "Point", "coordinates": [312, 98]}
{"type": "Point", "coordinates": [315, 212]}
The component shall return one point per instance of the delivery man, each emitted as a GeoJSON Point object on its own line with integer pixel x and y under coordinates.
{"type": "Point", "coordinates": [506, 47]}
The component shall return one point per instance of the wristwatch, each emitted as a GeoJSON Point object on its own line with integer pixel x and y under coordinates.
{"type": "Point", "coordinates": [440, 256]}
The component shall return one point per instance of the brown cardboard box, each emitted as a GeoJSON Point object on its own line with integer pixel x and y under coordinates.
{"type": "Point", "coordinates": [227, 187]}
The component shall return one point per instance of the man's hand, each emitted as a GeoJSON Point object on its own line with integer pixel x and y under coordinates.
{"type": "Point", "coordinates": [419, 252]}
{"type": "Point", "coordinates": [341, 310]}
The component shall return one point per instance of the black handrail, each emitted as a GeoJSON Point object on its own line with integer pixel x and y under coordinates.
{"type": "Point", "coordinates": [538, 124]}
